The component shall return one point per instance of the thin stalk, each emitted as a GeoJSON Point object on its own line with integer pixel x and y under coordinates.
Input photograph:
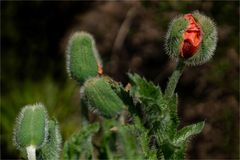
{"type": "Point", "coordinates": [31, 152]}
{"type": "Point", "coordinates": [173, 80]}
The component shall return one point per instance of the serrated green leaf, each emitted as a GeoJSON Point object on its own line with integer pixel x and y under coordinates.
{"type": "Point", "coordinates": [160, 116]}
{"type": "Point", "coordinates": [80, 145]}
{"type": "Point", "coordinates": [144, 90]}
{"type": "Point", "coordinates": [184, 133]}
{"type": "Point", "coordinates": [154, 104]}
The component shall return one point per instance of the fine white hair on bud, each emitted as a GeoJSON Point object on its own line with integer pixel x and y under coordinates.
{"type": "Point", "coordinates": [209, 40]}
{"type": "Point", "coordinates": [174, 36]}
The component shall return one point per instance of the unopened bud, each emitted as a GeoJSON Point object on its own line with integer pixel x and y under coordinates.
{"type": "Point", "coordinates": [83, 60]}
{"type": "Point", "coordinates": [101, 98]}
{"type": "Point", "coordinates": [31, 127]}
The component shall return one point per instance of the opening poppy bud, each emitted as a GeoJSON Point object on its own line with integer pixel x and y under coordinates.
{"type": "Point", "coordinates": [191, 37]}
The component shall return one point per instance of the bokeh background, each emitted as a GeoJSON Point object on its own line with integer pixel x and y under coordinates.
{"type": "Point", "coordinates": [130, 37]}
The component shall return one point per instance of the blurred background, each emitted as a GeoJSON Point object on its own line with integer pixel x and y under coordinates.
{"type": "Point", "coordinates": [130, 37]}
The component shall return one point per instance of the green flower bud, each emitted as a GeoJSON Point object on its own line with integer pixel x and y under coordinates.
{"type": "Point", "coordinates": [101, 98]}
{"type": "Point", "coordinates": [31, 130]}
{"type": "Point", "coordinates": [192, 38]}
{"type": "Point", "coordinates": [51, 150]}
{"type": "Point", "coordinates": [83, 61]}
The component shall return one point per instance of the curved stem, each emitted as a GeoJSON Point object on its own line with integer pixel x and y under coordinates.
{"type": "Point", "coordinates": [173, 80]}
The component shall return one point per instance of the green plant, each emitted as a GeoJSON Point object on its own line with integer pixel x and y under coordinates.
{"type": "Point", "coordinates": [137, 121]}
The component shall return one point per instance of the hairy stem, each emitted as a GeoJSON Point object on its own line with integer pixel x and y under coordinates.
{"type": "Point", "coordinates": [173, 80]}
{"type": "Point", "coordinates": [31, 152]}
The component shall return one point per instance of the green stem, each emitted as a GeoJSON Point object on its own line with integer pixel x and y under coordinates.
{"type": "Point", "coordinates": [31, 152]}
{"type": "Point", "coordinates": [172, 83]}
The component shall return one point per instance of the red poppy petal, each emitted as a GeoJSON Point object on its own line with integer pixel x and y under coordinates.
{"type": "Point", "coordinates": [192, 37]}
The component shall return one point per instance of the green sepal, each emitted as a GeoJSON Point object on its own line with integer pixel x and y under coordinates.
{"type": "Point", "coordinates": [209, 40]}
{"type": "Point", "coordinates": [101, 98]}
{"type": "Point", "coordinates": [174, 36]}
{"type": "Point", "coordinates": [31, 127]}
{"type": "Point", "coordinates": [52, 149]}
{"type": "Point", "coordinates": [82, 57]}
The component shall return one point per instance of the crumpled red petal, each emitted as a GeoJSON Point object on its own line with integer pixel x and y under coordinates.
{"type": "Point", "coordinates": [192, 37]}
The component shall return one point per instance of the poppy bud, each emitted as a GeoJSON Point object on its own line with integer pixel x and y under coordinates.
{"type": "Point", "coordinates": [191, 37]}
{"type": "Point", "coordinates": [31, 130]}
{"type": "Point", "coordinates": [101, 98]}
{"type": "Point", "coordinates": [83, 61]}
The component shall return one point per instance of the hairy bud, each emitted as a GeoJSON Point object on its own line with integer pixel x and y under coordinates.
{"type": "Point", "coordinates": [101, 97]}
{"type": "Point", "coordinates": [83, 61]}
{"type": "Point", "coordinates": [52, 149]}
{"type": "Point", "coordinates": [191, 37]}
{"type": "Point", "coordinates": [31, 130]}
